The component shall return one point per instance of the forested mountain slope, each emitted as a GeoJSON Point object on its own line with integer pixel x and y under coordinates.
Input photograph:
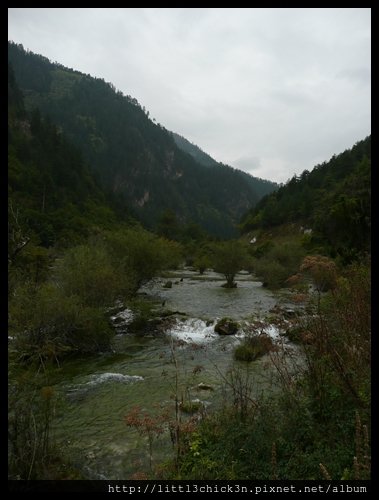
{"type": "Point", "coordinates": [132, 156]}
{"type": "Point", "coordinates": [53, 196]}
{"type": "Point", "coordinates": [260, 186]}
{"type": "Point", "coordinates": [334, 200]}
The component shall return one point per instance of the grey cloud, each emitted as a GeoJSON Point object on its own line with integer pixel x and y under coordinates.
{"type": "Point", "coordinates": [358, 76]}
{"type": "Point", "coordinates": [248, 164]}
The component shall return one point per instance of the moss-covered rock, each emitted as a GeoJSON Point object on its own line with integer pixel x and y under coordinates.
{"type": "Point", "coordinates": [226, 326]}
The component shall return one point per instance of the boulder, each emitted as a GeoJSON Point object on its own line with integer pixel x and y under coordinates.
{"type": "Point", "coordinates": [205, 387]}
{"type": "Point", "coordinates": [289, 313]}
{"type": "Point", "coordinates": [226, 326]}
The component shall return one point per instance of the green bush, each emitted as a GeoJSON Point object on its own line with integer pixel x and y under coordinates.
{"type": "Point", "coordinates": [259, 251]}
{"type": "Point", "coordinates": [30, 412]}
{"type": "Point", "coordinates": [253, 348]}
{"type": "Point", "coordinates": [191, 406]}
{"type": "Point", "coordinates": [141, 254]}
{"type": "Point", "coordinates": [272, 273]}
{"type": "Point", "coordinates": [47, 323]}
{"type": "Point", "coordinates": [229, 258]}
{"type": "Point", "coordinates": [202, 263]}
{"type": "Point", "coordinates": [87, 272]}
{"type": "Point", "coordinates": [279, 263]}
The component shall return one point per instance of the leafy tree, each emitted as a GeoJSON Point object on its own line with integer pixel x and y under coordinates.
{"type": "Point", "coordinates": [86, 271]}
{"type": "Point", "coordinates": [275, 263]}
{"type": "Point", "coordinates": [229, 258]}
{"type": "Point", "coordinates": [141, 254]}
{"type": "Point", "coordinates": [47, 323]}
{"type": "Point", "coordinates": [168, 225]}
{"type": "Point", "coordinates": [202, 262]}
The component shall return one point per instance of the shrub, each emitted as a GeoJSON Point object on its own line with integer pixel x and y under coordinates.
{"type": "Point", "coordinates": [229, 258]}
{"type": "Point", "coordinates": [202, 262]}
{"type": "Point", "coordinates": [272, 273]}
{"type": "Point", "coordinates": [87, 272]}
{"type": "Point", "coordinates": [279, 263]}
{"type": "Point", "coordinates": [253, 348]}
{"type": "Point", "coordinates": [48, 324]}
{"type": "Point", "coordinates": [322, 270]}
{"type": "Point", "coordinates": [261, 250]}
{"type": "Point", "coordinates": [340, 351]}
{"type": "Point", "coordinates": [32, 405]}
{"type": "Point", "coordinates": [191, 406]}
{"type": "Point", "coordinates": [141, 254]}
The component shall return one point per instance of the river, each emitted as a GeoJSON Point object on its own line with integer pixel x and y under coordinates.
{"type": "Point", "coordinates": [97, 392]}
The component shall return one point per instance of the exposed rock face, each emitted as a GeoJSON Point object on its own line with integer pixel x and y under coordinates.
{"type": "Point", "coordinates": [145, 198]}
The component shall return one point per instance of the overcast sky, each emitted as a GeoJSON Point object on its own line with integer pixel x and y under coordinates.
{"type": "Point", "coordinates": [270, 91]}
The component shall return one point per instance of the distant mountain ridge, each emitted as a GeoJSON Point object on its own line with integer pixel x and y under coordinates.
{"type": "Point", "coordinates": [259, 186]}
{"type": "Point", "coordinates": [136, 159]}
{"type": "Point", "coordinates": [194, 150]}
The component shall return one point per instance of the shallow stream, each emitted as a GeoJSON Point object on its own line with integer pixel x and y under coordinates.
{"type": "Point", "coordinates": [96, 393]}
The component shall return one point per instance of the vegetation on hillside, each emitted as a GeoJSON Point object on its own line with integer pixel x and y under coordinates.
{"type": "Point", "coordinates": [134, 157]}
{"type": "Point", "coordinates": [260, 187]}
{"type": "Point", "coordinates": [333, 200]}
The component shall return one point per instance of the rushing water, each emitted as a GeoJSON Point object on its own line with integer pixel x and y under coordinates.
{"type": "Point", "coordinates": [98, 392]}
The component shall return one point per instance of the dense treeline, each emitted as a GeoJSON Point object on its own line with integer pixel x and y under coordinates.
{"type": "Point", "coordinates": [334, 200]}
{"type": "Point", "coordinates": [133, 156]}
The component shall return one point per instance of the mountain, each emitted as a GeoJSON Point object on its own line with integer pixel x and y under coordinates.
{"type": "Point", "coordinates": [334, 200]}
{"type": "Point", "coordinates": [53, 196]}
{"type": "Point", "coordinates": [260, 186]}
{"type": "Point", "coordinates": [131, 156]}
{"type": "Point", "coordinates": [198, 154]}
